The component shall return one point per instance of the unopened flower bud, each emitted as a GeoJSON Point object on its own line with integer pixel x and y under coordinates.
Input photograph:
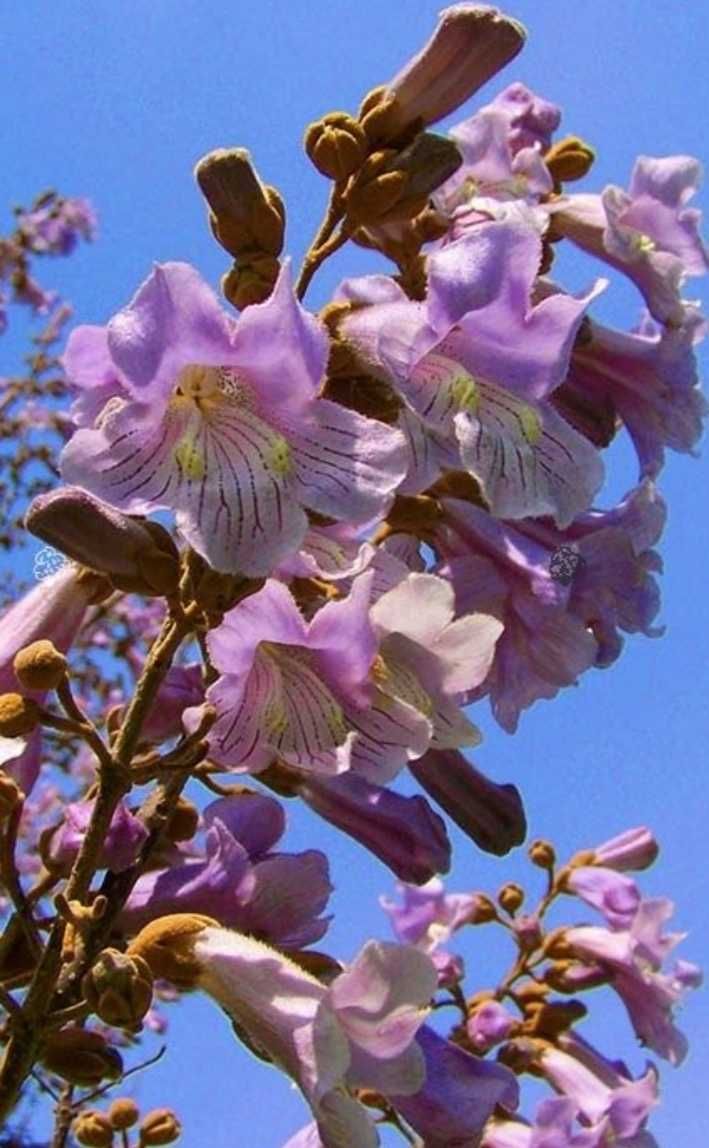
{"type": "Point", "coordinates": [93, 1128]}
{"type": "Point", "coordinates": [160, 1126]}
{"type": "Point", "coordinates": [528, 932]}
{"type": "Point", "coordinates": [556, 945]}
{"type": "Point", "coordinates": [18, 716]}
{"type": "Point", "coordinates": [393, 185]}
{"type": "Point", "coordinates": [566, 976]}
{"type": "Point", "coordinates": [119, 988]}
{"type": "Point", "coordinates": [511, 897]}
{"type": "Point", "coordinates": [10, 795]}
{"type": "Point", "coordinates": [250, 281]}
{"type": "Point", "coordinates": [39, 666]}
{"type": "Point", "coordinates": [244, 212]}
{"type": "Point", "coordinates": [469, 45]}
{"type": "Point", "coordinates": [81, 1057]}
{"type": "Point", "coordinates": [550, 1019]}
{"type": "Point", "coordinates": [166, 944]}
{"type": "Point", "coordinates": [634, 849]}
{"type": "Point", "coordinates": [183, 821]}
{"type": "Point", "coordinates": [337, 145]}
{"type": "Point", "coordinates": [569, 159]}
{"type": "Point", "coordinates": [483, 910]}
{"type": "Point", "coordinates": [138, 556]}
{"type": "Point", "coordinates": [542, 854]}
{"type": "Point", "coordinates": [123, 1113]}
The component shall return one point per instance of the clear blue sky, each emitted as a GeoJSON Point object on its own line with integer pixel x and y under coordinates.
{"type": "Point", "coordinates": [117, 102]}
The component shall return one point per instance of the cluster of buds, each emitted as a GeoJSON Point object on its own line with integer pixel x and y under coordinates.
{"type": "Point", "coordinates": [96, 1129]}
{"type": "Point", "coordinates": [247, 218]}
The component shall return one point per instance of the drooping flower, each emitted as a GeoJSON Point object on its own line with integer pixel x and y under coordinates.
{"type": "Point", "coordinates": [427, 918]}
{"type": "Point", "coordinates": [648, 232]}
{"type": "Point", "coordinates": [188, 410]}
{"type": "Point", "coordinates": [124, 838]}
{"type": "Point", "coordinates": [241, 879]}
{"type": "Point", "coordinates": [475, 365]}
{"type": "Point", "coordinates": [616, 896]}
{"type": "Point", "coordinates": [634, 959]}
{"type": "Point", "coordinates": [356, 1033]}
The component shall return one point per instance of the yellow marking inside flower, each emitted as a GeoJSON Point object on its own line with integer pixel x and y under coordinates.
{"type": "Point", "coordinates": [190, 458]}
{"type": "Point", "coordinates": [197, 384]}
{"type": "Point", "coordinates": [643, 244]}
{"type": "Point", "coordinates": [279, 456]}
{"type": "Point", "coordinates": [275, 717]}
{"type": "Point", "coordinates": [531, 424]}
{"type": "Point", "coordinates": [465, 394]}
{"type": "Point", "coordinates": [396, 680]}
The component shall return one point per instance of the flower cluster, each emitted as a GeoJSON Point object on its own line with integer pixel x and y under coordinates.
{"type": "Point", "coordinates": [295, 549]}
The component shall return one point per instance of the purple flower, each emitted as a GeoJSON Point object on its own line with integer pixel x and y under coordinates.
{"type": "Point", "coordinates": [475, 365]}
{"type": "Point", "coordinates": [428, 916]}
{"type": "Point", "coordinates": [648, 378]}
{"type": "Point", "coordinates": [220, 422]}
{"type": "Point", "coordinates": [55, 227]}
{"type": "Point", "coordinates": [357, 1033]}
{"type": "Point", "coordinates": [240, 880]}
{"type": "Point", "coordinates": [124, 839]}
{"type": "Point", "coordinates": [616, 896]}
{"type": "Point", "coordinates": [531, 119]}
{"type": "Point", "coordinates": [488, 1025]}
{"type": "Point", "coordinates": [554, 1127]}
{"type": "Point", "coordinates": [633, 849]}
{"type": "Point", "coordinates": [181, 688]}
{"type": "Point", "coordinates": [284, 682]}
{"type": "Point", "coordinates": [492, 815]}
{"type": "Point", "coordinates": [634, 958]}
{"type": "Point", "coordinates": [648, 232]}
{"type": "Point", "coordinates": [459, 1095]}
{"type": "Point", "coordinates": [403, 832]}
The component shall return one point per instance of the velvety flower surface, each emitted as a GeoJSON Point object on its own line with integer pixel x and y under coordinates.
{"type": "Point", "coordinates": [220, 421]}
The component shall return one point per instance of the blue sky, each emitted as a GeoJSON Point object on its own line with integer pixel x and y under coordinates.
{"type": "Point", "coordinates": [117, 102]}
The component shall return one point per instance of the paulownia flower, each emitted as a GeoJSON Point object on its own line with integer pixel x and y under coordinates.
{"type": "Point", "coordinates": [220, 421]}
{"type": "Point", "coordinates": [476, 364]}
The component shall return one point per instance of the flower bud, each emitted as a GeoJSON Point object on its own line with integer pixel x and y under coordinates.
{"type": "Point", "coordinates": [160, 1126]}
{"type": "Point", "coordinates": [10, 795]}
{"type": "Point", "coordinates": [550, 1019]}
{"type": "Point", "coordinates": [244, 212]}
{"type": "Point", "coordinates": [183, 821]}
{"type": "Point", "coordinates": [166, 945]}
{"type": "Point", "coordinates": [250, 281]}
{"type": "Point", "coordinates": [483, 911]}
{"type": "Point", "coordinates": [511, 897]}
{"type": "Point", "coordinates": [528, 932]}
{"type": "Point", "coordinates": [569, 159]}
{"type": "Point", "coordinates": [18, 715]}
{"type": "Point", "coordinates": [138, 556]}
{"type": "Point", "coordinates": [634, 849]}
{"type": "Point", "coordinates": [337, 145]}
{"type": "Point", "coordinates": [81, 1057]}
{"type": "Point", "coordinates": [469, 45]}
{"type": "Point", "coordinates": [39, 666]}
{"type": "Point", "coordinates": [566, 976]}
{"type": "Point", "coordinates": [93, 1128]}
{"type": "Point", "coordinates": [119, 988]}
{"type": "Point", "coordinates": [394, 184]}
{"type": "Point", "coordinates": [542, 854]}
{"type": "Point", "coordinates": [123, 1113]}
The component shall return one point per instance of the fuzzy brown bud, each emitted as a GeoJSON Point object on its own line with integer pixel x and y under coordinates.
{"type": "Point", "coordinates": [93, 1129]}
{"type": "Point", "coordinates": [251, 280]}
{"type": "Point", "coordinates": [18, 716]}
{"type": "Point", "coordinates": [39, 666]}
{"type": "Point", "coordinates": [81, 1057]}
{"type": "Point", "coordinates": [10, 795]}
{"type": "Point", "coordinates": [244, 212]}
{"type": "Point", "coordinates": [166, 944]}
{"type": "Point", "coordinates": [542, 854]}
{"type": "Point", "coordinates": [550, 1019]}
{"type": "Point", "coordinates": [183, 822]}
{"type": "Point", "coordinates": [569, 159]}
{"type": "Point", "coordinates": [337, 145]}
{"type": "Point", "coordinates": [567, 976]}
{"type": "Point", "coordinates": [394, 185]}
{"type": "Point", "coordinates": [123, 1113]}
{"type": "Point", "coordinates": [119, 988]}
{"type": "Point", "coordinates": [160, 1126]}
{"type": "Point", "coordinates": [511, 897]}
{"type": "Point", "coordinates": [483, 910]}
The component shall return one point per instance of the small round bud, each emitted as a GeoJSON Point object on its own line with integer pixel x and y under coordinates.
{"type": "Point", "coordinates": [250, 281]}
{"type": "Point", "coordinates": [337, 145]}
{"type": "Point", "coordinates": [18, 716]}
{"type": "Point", "coordinates": [511, 897]}
{"type": "Point", "coordinates": [40, 666]}
{"type": "Point", "coordinates": [483, 910]}
{"type": "Point", "coordinates": [183, 821]}
{"type": "Point", "coordinates": [119, 988]}
{"type": "Point", "coordinates": [569, 159]}
{"type": "Point", "coordinates": [542, 854]}
{"type": "Point", "coordinates": [123, 1113]}
{"type": "Point", "coordinates": [93, 1128]}
{"type": "Point", "coordinates": [81, 1057]}
{"type": "Point", "coordinates": [10, 795]}
{"type": "Point", "coordinates": [160, 1126]}
{"type": "Point", "coordinates": [557, 947]}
